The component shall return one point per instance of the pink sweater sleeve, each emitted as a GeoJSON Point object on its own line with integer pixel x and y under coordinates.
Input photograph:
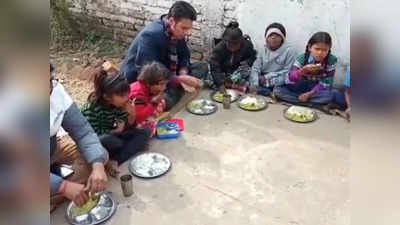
{"type": "Point", "coordinates": [317, 88]}
{"type": "Point", "coordinates": [294, 74]}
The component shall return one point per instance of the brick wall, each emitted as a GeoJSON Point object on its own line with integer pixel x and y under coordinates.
{"type": "Point", "coordinates": [123, 19]}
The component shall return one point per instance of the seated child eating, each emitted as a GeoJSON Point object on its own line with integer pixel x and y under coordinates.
{"type": "Point", "coordinates": [310, 80]}
{"type": "Point", "coordinates": [147, 93]}
{"type": "Point", "coordinates": [110, 113]}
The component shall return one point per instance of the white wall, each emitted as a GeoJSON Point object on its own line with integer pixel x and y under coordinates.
{"type": "Point", "coordinates": [301, 19]}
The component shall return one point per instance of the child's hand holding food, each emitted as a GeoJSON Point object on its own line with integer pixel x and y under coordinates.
{"type": "Point", "coordinates": [310, 69]}
{"type": "Point", "coordinates": [119, 127]}
{"type": "Point", "coordinates": [156, 99]}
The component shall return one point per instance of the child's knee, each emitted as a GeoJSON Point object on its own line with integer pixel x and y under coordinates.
{"type": "Point", "coordinates": [144, 135]}
{"type": "Point", "coordinates": [146, 132]}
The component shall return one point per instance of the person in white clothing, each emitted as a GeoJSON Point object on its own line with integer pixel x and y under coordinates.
{"type": "Point", "coordinates": [81, 149]}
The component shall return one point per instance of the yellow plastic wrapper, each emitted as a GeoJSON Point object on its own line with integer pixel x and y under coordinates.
{"type": "Point", "coordinates": [79, 211]}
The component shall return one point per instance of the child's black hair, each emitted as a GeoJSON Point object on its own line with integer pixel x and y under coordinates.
{"type": "Point", "coordinates": [153, 73]}
{"type": "Point", "coordinates": [107, 84]}
{"type": "Point", "coordinates": [182, 10]}
{"type": "Point", "coordinates": [232, 32]}
{"type": "Point", "coordinates": [319, 37]}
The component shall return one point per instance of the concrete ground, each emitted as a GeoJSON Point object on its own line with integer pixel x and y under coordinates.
{"type": "Point", "coordinates": [237, 167]}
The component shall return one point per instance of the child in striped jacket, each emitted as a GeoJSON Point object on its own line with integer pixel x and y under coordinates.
{"type": "Point", "coordinates": [112, 116]}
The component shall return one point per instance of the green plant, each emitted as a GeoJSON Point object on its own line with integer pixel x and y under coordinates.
{"type": "Point", "coordinates": [62, 24]}
{"type": "Point", "coordinates": [74, 31]}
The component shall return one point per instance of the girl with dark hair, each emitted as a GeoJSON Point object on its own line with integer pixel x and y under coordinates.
{"type": "Point", "coordinates": [112, 116]}
{"type": "Point", "coordinates": [232, 58]}
{"type": "Point", "coordinates": [310, 79]}
{"type": "Point", "coordinates": [148, 94]}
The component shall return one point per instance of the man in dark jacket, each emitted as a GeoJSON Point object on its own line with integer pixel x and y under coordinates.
{"type": "Point", "coordinates": [164, 41]}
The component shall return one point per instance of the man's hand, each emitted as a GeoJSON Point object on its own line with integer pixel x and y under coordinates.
{"type": "Point", "coordinates": [189, 83]}
{"type": "Point", "coordinates": [189, 80]}
{"type": "Point", "coordinates": [305, 96]}
{"type": "Point", "coordinates": [188, 88]}
{"type": "Point", "coordinates": [97, 181]}
{"type": "Point", "coordinates": [74, 192]}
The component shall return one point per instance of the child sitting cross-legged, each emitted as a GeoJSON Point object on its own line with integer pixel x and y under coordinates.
{"type": "Point", "coordinates": [112, 116]}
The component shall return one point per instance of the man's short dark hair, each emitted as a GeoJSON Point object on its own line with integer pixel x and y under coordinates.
{"type": "Point", "coordinates": [182, 10]}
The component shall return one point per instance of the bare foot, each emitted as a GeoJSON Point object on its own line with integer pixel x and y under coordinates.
{"type": "Point", "coordinates": [274, 99]}
{"type": "Point", "coordinates": [112, 168]}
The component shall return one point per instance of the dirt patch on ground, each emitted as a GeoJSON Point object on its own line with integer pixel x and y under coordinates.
{"type": "Point", "coordinates": [75, 70]}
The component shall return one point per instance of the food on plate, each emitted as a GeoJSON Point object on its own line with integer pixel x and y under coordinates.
{"type": "Point", "coordinates": [89, 205]}
{"type": "Point", "coordinates": [252, 103]}
{"type": "Point", "coordinates": [299, 114]}
{"type": "Point", "coordinates": [218, 96]}
{"type": "Point", "coordinates": [249, 103]}
{"type": "Point", "coordinates": [201, 106]}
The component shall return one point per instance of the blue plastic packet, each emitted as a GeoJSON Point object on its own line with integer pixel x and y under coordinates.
{"type": "Point", "coordinates": [167, 130]}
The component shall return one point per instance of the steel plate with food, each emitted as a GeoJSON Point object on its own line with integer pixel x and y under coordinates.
{"type": "Point", "coordinates": [300, 114]}
{"type": "Point", "coordinates": [218, 96]}
{"type": "Point", "coordinates": [201, 107]}
{"type": "Point", "coordinates": [252, 103]}
{"type": "Point", "coordinates": [98, 209]}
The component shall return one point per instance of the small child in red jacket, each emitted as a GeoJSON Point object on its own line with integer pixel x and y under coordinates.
{"type": "Point", "coordinates": [148, 94]}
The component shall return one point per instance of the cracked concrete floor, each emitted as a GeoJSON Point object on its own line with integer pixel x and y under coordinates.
{"type": "Point", "coordinates": [237, 167]}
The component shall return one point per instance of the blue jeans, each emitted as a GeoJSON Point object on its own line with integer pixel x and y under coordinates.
{"type": "Point", "coordinates": [287, 94]}
{"type": "Point", "coordinates": [264, 91]}
{"type": "Point", "coordinates": [339, 99]}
